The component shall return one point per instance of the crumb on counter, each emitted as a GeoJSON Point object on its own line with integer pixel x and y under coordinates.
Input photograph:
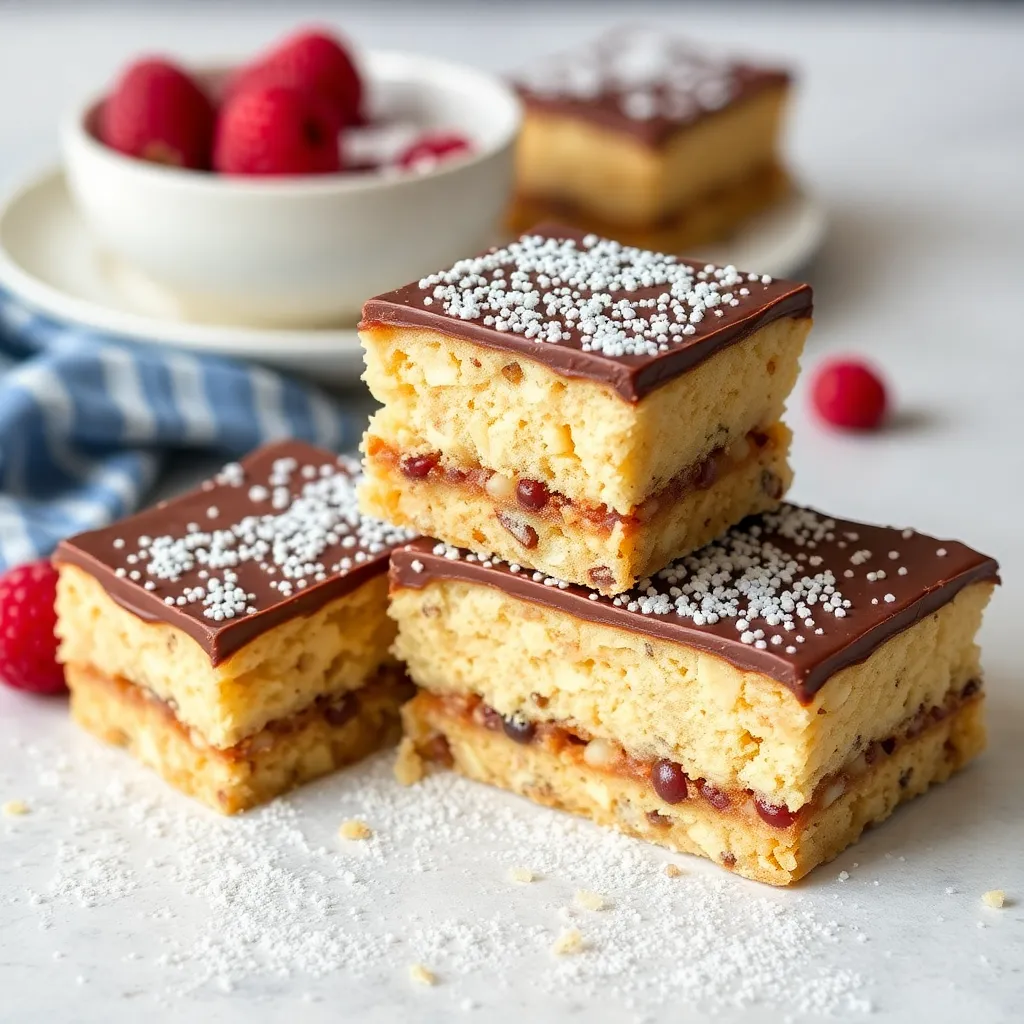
{"type": "Point", "coordinates": [15, 808]}
{"type": "Point", "coordinates": [994, 898]}
{"type": "Point", "coordinates": [422, 975]}
{"type": "Point", "coordinates": [354, 828]}
{"type": "Point", "coordinates": [588, 900]}
{"type": "Point", "coordinates": [520, 874]}
{"type": "Point", "coordinates": [569, 941]}
{"type": "Point", "coordinates": [673, 870]}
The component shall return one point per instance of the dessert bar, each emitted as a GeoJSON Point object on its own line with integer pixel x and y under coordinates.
{"type": "Point", "coordinates": [585, 408]}
{"type": "Point", "coordinates": [236, 638]}
{"type": "Point", "coordinates": [644, 137]}
{"type": "Point", "coordinates": [759, 702]}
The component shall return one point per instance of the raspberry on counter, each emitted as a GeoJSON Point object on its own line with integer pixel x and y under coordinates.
{"type": "Point", "coordinates": [847, 393]}
{"type": "Point", "coordinates": [28, 646]}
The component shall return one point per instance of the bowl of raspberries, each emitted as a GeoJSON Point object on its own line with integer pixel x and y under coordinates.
{"type": "Point", "coordinates": [285, 191]}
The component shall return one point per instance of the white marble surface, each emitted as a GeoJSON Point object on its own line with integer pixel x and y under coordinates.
{"type": "Point", "coordinates": [911, 124]}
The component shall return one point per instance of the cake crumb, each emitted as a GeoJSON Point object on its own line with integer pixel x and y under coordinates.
{"type": "Point", "coordinates": [844, 876]}
{"type": "Point", "coordinates": [569, 941]}
{"type": "Point", "coordinates": [409, 768]}
{"type": "Point", "coordinates": [15, 808]}
{"type": "Point", "coordinates": [520, 874]}
{"type": "Point", "coordinates": [355, 829]}
{"type": "Point", "coordinates": [672, 871]}
{"type": "Point", "coordinates": [422, 975]}
{"type": "Point", "coordinates": [589, 900]}
{"type": "Point", "coordinates": [994, 898]}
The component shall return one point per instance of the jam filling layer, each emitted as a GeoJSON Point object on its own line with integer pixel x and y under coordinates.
{"type": "Point", "coordinates": [514, 497]}
{"type": "Point", "coordinates": [667, 779]}
{"type": "Point", "coordinates": [336, 710]}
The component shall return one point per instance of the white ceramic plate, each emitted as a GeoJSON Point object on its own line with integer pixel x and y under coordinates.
{"type": "Point", "coordinates": [780, 241]}
{"type": "Point", "coordinates": [50, 262]}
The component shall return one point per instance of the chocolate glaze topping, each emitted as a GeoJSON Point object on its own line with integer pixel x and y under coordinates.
{"type": "Point", "coordinates": [642, 83]}
{"type": "Point", "coordinates": [271, 538]}
{"type": "Point", "coordinates": [868, 583]}
{"type": "Point", "coordinates": [625, 317]}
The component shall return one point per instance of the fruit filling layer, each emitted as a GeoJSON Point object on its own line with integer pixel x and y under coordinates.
{"type": "Point", "coordinates": [668, 780]}
{"type": "Point", "coordinates": [514, 496]}
{"type": "Point", "coordinates": [336, 710]}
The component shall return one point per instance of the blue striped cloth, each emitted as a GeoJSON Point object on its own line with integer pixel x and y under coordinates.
{"type": "Point", "coordinates": [87, 421]}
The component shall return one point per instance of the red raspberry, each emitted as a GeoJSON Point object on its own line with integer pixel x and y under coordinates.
{"type": "Point", "coordinates": [430, 150]}
{"type": "Point", "coordinates": [276, 131]}
{"type": "Point", "coordinates": [313, 62]}
{"type": "Point", "coordinates": [28, 647]}
{"type": "Point", "coordinates": [849, 394]}
{"type": "Point", "coordinates": [157, 112]}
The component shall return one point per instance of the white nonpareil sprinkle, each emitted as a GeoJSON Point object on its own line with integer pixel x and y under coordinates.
{"type": "Point", "coordinates": [743, 576]}
{"type": "Point", "coordinates": [649, 73]}
{"type": "Point", "coordinates": [315, 512]}
{"type": "Point", "coordinates": [552, 290]}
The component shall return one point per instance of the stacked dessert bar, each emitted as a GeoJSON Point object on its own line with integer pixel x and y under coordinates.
{"type": "Point", "coordinates": [618, 615]}
{"type": "Point", "coordinates": [645, 138]}
{"type": "Point", "coordinates": [236, 639]}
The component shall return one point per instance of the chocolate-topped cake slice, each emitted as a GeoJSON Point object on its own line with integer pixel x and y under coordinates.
{"type": "Point", "coordinates": [579, 406]}
{"type": "Point", "coordinates": [650, 139]}
{"type": "Point", "coordinates": [759, 702]}
{"type": "Point", "coordinates": [236, 638]}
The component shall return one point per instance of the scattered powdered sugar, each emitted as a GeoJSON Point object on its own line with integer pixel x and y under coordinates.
{"type": "Point", "coordinates": [275, 900]}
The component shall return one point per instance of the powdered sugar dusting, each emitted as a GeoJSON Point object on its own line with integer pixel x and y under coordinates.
{"type": "Point", "coordinates": [274, 901]}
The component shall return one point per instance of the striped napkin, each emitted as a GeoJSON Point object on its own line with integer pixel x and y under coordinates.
{"type": "Point", "coordinates": [87, 421]}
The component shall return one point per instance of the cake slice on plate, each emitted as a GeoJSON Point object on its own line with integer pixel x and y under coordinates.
{"type": "Point", "coordinates": [650, 139]}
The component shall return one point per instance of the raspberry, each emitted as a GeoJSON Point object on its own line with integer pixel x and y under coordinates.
{"type": "Point", "coordinates": [430, 150]}
{"type": "Point", "coordinates": [313, 62]}
{"type": "Point", "coordinates": [849, 394]}
{"type": "Point", "coordinates": [28, 647]}
{"type": "Point", "coordinates": [276, 131]}
{"type": "Point", "coordinates": [156, 112]}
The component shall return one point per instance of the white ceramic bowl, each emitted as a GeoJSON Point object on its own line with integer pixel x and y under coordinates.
{"type": "Point", "coordinates": [297, 252]}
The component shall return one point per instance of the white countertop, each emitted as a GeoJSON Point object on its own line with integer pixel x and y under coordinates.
{"type": "Point", "coordinates": [911, 125]}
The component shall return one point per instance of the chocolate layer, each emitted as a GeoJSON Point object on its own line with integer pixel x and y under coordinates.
{"type": "Point", "coordinates": [768, 557]}
{"type": "Point", "coordinates": [632, 375]}
{"type": "Point", "coordinates": [283, 522]}
{"type": "Point", "coordinates": [642, 83]}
